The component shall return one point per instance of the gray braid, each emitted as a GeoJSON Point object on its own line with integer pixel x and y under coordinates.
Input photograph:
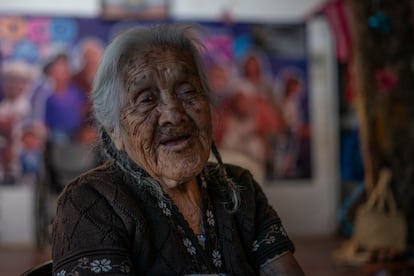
{"type": "Point", "coordinates": [230, 188]}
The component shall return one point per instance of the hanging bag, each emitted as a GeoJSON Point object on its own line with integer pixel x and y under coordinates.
{"type": "Point", "coordinates": [378, 223]}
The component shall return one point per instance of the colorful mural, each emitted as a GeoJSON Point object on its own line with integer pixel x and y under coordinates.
{"type": "Point", "coordinates": [258, 74]}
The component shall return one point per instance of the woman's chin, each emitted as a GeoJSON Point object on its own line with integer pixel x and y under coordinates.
{"type": "Point", "coordinates": [177, 173]}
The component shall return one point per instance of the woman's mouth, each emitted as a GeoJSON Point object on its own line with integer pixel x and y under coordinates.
{"type": "Point", "coordinates": [177, 141]}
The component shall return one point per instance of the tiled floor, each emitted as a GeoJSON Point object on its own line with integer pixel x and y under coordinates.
{"type": "Point", "coordinates": [314, 255]}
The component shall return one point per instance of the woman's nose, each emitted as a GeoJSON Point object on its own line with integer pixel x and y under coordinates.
{"type": "Point", "coordinates": [172, 111]}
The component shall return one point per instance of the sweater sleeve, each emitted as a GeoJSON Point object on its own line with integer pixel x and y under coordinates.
{"type": "Point", "coordinates": [267, 236]}
{"type": "Point", "coordinates": [271, 237]}
{"type": "Point", "coordinates": [89, 236]}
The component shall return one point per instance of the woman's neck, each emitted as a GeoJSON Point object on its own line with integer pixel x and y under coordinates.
{"type": "Point", "coordinates": [187, 198]}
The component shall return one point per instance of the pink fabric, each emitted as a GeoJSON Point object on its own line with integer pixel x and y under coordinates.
{"type": "Point", "coordinates": [336, 13]}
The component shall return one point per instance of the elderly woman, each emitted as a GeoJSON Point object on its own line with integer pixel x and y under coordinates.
{"type": "Point", "coordinates": [157, 206]}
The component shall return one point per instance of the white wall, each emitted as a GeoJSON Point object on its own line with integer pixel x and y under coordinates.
{"type": "Point", "coordinates": [16, 215]}
{"type": "Point", "coordinates": [257, 10]}
{"type": "Point", "coordinates": [51, 7]}
{"type": "Point", "coordinates": [306, 207]}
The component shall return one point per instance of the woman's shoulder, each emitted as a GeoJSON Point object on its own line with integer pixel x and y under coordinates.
{"type": "Point", "coordinates": [235, 172]}
{"type": "Point", "coordinates": [102, 181]}
{"type": "Point", "coordinates": [243, 180]}
{"type": "Point", "coordinates": [101, 190]}
{"type": "Point", "coordinates": [95, 216]}
{"type": "Point", "coordinates": [231, 169]}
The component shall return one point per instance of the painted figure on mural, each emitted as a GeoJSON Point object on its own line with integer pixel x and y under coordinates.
{"type": "Point", "coordinates": [14, 107]}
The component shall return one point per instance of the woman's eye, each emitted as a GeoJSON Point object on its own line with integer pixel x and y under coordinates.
{"type": "Point", "coordinates": [186, 90]}
{"type": "Point", "coordinates": [145, 97]}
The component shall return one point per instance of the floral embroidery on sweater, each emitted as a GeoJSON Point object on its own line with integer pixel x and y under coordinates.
{"type": "Point", "coordinates": [270, 237]}
{"type": "Point", "coordinates": [97, 266]}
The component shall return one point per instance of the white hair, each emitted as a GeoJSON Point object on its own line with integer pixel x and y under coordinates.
{"type": "Point", "coordinates": [108, 90]}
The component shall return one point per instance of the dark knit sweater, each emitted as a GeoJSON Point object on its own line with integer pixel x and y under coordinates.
{"type": "Point", "coordinates": [107, 224]}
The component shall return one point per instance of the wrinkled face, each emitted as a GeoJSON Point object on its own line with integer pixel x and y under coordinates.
{"type": "Point", "coordinates": [166, 123]}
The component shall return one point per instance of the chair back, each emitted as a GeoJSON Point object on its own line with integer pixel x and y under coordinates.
{"type": "Point", "coordinates": [44, 269]}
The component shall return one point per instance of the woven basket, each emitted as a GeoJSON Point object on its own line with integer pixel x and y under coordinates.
{"type": "Point", "coordinates": [378, 223]}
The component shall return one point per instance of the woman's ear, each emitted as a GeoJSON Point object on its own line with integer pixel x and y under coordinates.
{"type": "Point", "coordinates": [116, 138]}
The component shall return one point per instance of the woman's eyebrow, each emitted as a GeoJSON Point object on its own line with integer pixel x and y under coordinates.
{"type": "Point", "coordinates": [141, 80]}
{"type": "Point", "coordinates": [185, 75]}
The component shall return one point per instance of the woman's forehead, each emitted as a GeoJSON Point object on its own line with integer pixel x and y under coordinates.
{"type": "Point", "coordinates": [159, 55]}
{"type": "Point", "coordinates": [157, 60]}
